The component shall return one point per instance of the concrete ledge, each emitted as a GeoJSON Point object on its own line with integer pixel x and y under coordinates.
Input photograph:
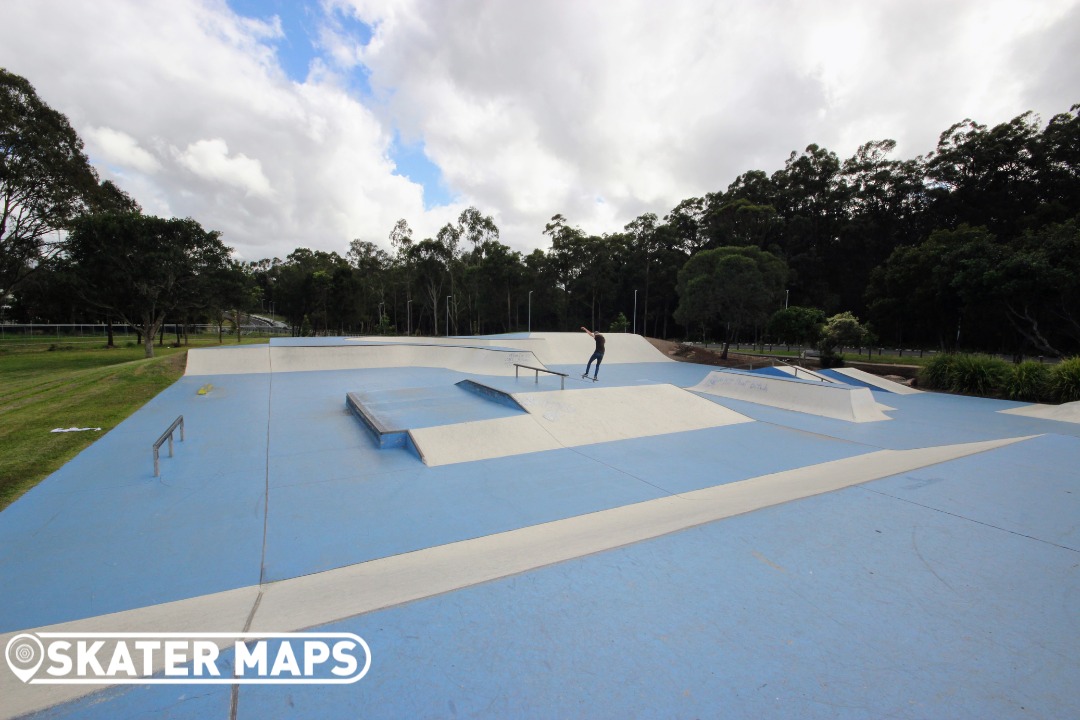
{"type": "Point", "coordinates": [490, 393]}
{"type": "Point", "coordinates": [835, 401]}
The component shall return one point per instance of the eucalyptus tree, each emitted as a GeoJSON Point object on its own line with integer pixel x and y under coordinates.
{"type": "Point", "coordinates": [45, 179]}
{"type": "Point", "coordinates": [141, 267]}
{"type": "Point", "coordinates": [728, 289]}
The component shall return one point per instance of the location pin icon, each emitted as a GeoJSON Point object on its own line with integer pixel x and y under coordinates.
{"type": "Point", "coordinates": [24, 654]}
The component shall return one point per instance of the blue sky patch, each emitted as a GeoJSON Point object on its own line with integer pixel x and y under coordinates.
{"type": "Point", "coordinates": [413, 163]}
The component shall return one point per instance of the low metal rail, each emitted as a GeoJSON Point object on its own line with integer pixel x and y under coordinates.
{"type": "Point", "coordinates": [167, 435]}
{"type": "Point", "coordinates": [562, 376]}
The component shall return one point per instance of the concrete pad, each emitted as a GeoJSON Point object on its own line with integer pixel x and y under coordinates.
{"type": "Point", "coordinates": [587, 417]}
{"type": "Point", "coordinates": [834, 401]}
{"type": "Point", "coordinates": [317, 599]}
{"type": "Point", "coordinates": [481, 440]}
{"type": "Point", "coordinates": [1066, 412]}
{"type": "Point", "coordinates": [877, 381]}
{"type": "Point", "coordinates": [322, 598]}
{"type": "Point", "coordinates": [572, 418]}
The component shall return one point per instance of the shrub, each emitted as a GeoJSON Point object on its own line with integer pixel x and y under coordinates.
{"type": "Point", "coordinates": [1065, 381]}
{"type": "Point", "coordinates": [1028, 381]}
{"type": "Point", "coordinates": [839, 331]}
{"type": "Point", "coordinates": [967, 374]}
{"type": "Point", "coordinates": [936, 373]}
{"type": "Point", "coordinates": [978, 375]}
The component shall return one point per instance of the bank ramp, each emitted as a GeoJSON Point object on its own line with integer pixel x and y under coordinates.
{"type": "Point", "coordinates": [833, 400]}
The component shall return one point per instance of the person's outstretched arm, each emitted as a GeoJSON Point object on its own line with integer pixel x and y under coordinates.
{"type": "Point", "coordinates": [589, 332]}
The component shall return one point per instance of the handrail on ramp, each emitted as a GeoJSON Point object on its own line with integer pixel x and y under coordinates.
{"type": "Point", "coordinates": [167, 435]}
{"type": "Point", "coordinates": [562, 376]}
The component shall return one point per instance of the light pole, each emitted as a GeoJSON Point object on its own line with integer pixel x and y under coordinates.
{"type": "Point", "coordinates": [448, 315]}
{"type": "Point", "coordinates": [408, 311]}
{"type": "Point", "coordinates": [635, 312]}
{"type": "Point", "coordinates": [786, 294]}
{"type": "Point", "coordinates": [530, 311]}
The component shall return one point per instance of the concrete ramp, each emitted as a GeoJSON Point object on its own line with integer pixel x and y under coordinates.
{"type": "Point", "coordinates": [877, 381]}
{"type": "Point", "coordinates": [572, 418]}
{"type": "Point", "coordinates": [480, 360]}
{"type": "Point", "coordinates": [549, 348]}
{"type": "Point", "coordinates": [569, 348]}
{"type": "Point", "coordinates": [356, 356]}
{"type": "Point", "coordinates": [237, 360]}
{"type": "Point", "coordinates": [842, 402]}
{"type": "Point", "coordinates": [804, 374]}
{"type": "Point", "coordinates": [1066, 412]}
{"type": "Point", "coordinates": [480, 355]}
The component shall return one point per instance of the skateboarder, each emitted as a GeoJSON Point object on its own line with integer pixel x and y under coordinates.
{"type": "Point", "coordinates": [598, 354]}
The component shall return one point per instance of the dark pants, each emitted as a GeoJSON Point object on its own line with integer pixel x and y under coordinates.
{"type": "Point", "coordinates": [598, 357]}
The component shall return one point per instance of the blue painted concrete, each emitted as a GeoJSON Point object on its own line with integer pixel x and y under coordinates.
{"type": "Point", "coordinates": [410, 407]}
{"type": "Point", "coordinates": [848, 380]}
{"type": "Point", "coordinates": [848, 605]}
{"type": "Point", "coordinates": [772, 371]}
{"type": "Point", "coordinates": [102, 534]}
{"type": "Point", "coordinates": [944, 592]}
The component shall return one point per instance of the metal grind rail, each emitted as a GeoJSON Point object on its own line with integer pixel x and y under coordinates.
{"type": "Point", "coordinates": [167, 435]}
{"type": "Point", "coordinates": [562, 376]}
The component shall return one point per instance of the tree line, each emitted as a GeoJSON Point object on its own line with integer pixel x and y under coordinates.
{"type": "Point", "coordinates": [974, 245]}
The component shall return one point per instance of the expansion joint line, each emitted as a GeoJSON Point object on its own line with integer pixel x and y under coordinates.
{"type": "Point", "coordinates": [266, 488]}
{"type": "Point", "coordinates": [973, 520]}
{"type": "Point", "coordinates": [234, 699]}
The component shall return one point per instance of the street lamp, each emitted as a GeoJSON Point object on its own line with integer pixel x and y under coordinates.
{"type": "Point", "coordinates": [448, 315]}
{"type": "Point", "coordinates": [635, 312]}
{"type": "Point", "coordinates": [408, 311]}
{"type": "Point", "coordinates": [530, 311]}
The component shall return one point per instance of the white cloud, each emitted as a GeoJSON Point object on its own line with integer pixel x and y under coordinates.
{"type": "Point", "coordinates": [210, 159]}
{"type": "Point", "coordinates": [119, 148]}
{"type": "Point", "coordinates": [596, 110]}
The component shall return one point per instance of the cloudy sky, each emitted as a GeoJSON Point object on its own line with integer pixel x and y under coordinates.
{"type": "Point", "coordinates": [289, 123]}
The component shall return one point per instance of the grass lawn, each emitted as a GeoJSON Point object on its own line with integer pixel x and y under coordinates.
{"type": "Point", "coordinates": [46, 386]}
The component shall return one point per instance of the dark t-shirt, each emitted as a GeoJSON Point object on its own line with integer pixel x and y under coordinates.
{"type": "Point", "coordinates": [599, 342]}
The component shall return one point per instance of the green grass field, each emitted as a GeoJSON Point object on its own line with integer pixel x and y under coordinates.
{"type": "Point", "coordinates": [46, 386]}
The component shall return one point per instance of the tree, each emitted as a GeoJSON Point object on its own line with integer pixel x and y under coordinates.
{"type": "Point", "coordinates": [838, 332]}
{"type": "Point", "coordinates": [733, 287]}
{"type": "Point", "coordinates": [141, 267]}
{"type": "Point", "coordinates": [45, 179]}
{"type": "Point", "coordinates": [799, 325]}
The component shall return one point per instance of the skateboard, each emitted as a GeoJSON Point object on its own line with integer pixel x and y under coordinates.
{"type": "Point", "coordinates": [585, 376]}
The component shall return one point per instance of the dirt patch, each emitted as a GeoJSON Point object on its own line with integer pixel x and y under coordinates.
{"type": "Point", "coordinates": [702, 356]}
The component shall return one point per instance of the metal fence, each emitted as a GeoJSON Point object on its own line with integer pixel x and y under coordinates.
{"type": "Point", "coordinates": [87, 332]}
{"type": "Point", "coordinates": [854, 353]}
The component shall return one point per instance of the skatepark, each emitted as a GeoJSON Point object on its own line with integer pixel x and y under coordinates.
{"type": "Point", "coordinates": [675, 540]}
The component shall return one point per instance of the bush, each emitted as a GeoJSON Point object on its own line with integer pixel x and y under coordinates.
{"type": "Point", "coordinates": [978, 375]}
{"type": "Point", "coordinates": [831, 361]}
{"type": "Point", "coordinates": [1065, 381]}
{"type": "Point", "coordinates": [1029, 381]}
{"type": "Point", "coordinates": [936, 373]}
{"type": "Point", "coordinates": [967, 374]}
{"type": "Point", "coordinates": [839, 331]}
